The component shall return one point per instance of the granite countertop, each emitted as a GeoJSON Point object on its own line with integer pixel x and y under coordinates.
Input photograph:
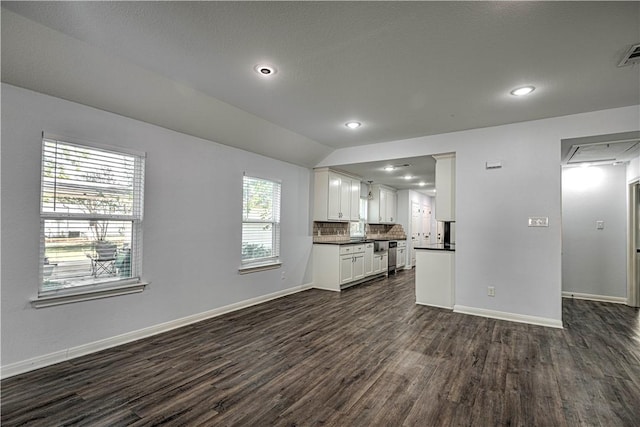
{"type": "Point", "coordinates": [438, 247]}
{"type": "Point", "coordinates": [354, 242]}
{"type": "Point", "coordinates": [344, 242]}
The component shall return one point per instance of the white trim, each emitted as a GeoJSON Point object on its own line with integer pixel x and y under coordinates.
{"type": "Point", "coordinates": [325, 288]}
{"type": "Point", "coordinates": [434, 305]}
{"type": "Point", "coordinates": [593, 297]}
{"type": "Point", "coordinates": [260, 267]}
{"type": "Point", "coordinates": [86, 295]}
{"type": "Point", "coordinates": [511, 317]}
{"type": "Point", "coordinates": [81, 350]}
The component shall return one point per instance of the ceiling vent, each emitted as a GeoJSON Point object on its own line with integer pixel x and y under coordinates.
{"type": "Point", "coordinates": [632, 56]}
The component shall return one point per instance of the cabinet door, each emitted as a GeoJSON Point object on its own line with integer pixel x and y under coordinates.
{"type": "Point", "coordinates": [384, 262]}
{"type": "Point", "coordinates": [368, 259]}
{"type": "Point", "coordinates": [358, 266]}
{"type": "Point", "coordinates": [346, 269]}
{"type": "Point", "coordinates": [390, 207]}
{"type": "Point", "coordinates": [383, 205]}
{"type": "Point", "coordinates": [335, 196]}
{"type": "Point", "coordinates": [400, 262]}
{"type": "Point", "coordinates": [355, 200]}
{"type": "Point", "coordinates": [377, 264]}
{"type": "Point", "coordinates": [445, 187]}
{"type": "Point", "coordinates": [345, 199]}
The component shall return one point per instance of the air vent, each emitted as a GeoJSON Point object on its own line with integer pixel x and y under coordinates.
{"type": "Point", "coordinates": [631, 57]}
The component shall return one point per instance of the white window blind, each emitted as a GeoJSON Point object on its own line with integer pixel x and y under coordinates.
{"type": "Point", "coordinates": [260, 221]}
{"type": "Point", "coordinates": [91, 216]}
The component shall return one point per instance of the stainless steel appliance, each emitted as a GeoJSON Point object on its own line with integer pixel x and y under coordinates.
{"type": "Point", "coordinates": [393, 249]}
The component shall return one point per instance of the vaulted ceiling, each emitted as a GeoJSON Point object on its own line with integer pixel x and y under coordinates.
{"type": "Point", "coordinates": [402, 69]}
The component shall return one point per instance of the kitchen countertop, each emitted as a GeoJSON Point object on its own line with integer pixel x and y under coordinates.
{"type": "Point", "coordinates": [438, 247]}
{"type": "Point", "coordinates": [355, 242]}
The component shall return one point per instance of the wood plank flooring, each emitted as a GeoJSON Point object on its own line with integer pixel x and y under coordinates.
{"type": "Point", "coordinates": [365, 357]}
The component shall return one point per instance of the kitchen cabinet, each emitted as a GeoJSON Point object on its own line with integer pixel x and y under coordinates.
{"type": "Point", "coordinates": [445, 187]}
{"type": "Point", "coordinates": [401, 254]}
{"type": "Point", "coordinates": [380, 262]}
{"type": "Point", "coordinates": [351, 263]}
{"type": "Point", "coordinates": [336, 196]}
{"type": "Point", "coordinates": [336, 267]}
{"type": "Point", "coordinates": [368, 259]}
{"type": "Point", "coordinates": [382, 206]}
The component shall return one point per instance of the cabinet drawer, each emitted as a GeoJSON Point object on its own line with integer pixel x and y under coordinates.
{"type": "Point", "coordinates": [351, 249]}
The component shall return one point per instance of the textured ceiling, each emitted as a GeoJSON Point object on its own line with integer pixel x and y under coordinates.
{"type": "Point", "coordinates": [404, 69]}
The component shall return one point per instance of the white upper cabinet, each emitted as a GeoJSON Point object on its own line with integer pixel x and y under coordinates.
{"type": "Point", "coordinates": [445, 187]}
{"type": "Point", "coordinates": [382, 207]}
{"type": "Point", "coordinates": [336, 196]}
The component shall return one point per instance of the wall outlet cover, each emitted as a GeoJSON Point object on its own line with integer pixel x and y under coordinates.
{"type": "Point", "coordinates": [538, 221]}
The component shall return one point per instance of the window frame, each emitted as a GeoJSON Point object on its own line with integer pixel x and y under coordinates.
{"type": "Point", "coordinates": [273, 261]}
{"type": "Point", "coordinates": [105, 287]}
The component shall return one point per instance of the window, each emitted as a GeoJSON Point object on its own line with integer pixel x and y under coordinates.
{"type": "Point", "coordinates": [90, 218]}
{"type": "Point", "coordinates": [260, 223]}
{"type": "Point", "coordinates": [357, 228]}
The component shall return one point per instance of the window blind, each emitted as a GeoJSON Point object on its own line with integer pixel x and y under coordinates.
{"type": "Point", "coordinates": [260, 220]}
{"type": "Point", "coordinates": [91, 215]}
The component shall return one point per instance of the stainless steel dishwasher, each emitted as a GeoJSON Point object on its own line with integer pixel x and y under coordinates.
{"type": "Point", "coordinates": [393, 249]}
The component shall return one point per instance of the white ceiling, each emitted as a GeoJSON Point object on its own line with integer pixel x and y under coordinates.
{"type": "Point", "coordinates": [404, 69]}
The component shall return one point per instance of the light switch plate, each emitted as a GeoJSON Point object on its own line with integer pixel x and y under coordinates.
{"type": "Point", "coordinates": [538, 221]}
{"type": "Point", "coordinates": [600, 225]}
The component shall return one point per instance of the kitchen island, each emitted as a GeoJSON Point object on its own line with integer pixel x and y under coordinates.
{"type": "Point", "coordinates": [435, 275]}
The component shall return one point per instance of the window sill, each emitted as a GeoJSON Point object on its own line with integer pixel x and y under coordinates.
{"type": "Point", "coordinates": [87, 295]}
{"type": "Point", "coordinates": [258, 267]}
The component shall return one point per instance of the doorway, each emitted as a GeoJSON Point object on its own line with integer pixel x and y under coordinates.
{"type": "Point", "coordinates": [601, 218]}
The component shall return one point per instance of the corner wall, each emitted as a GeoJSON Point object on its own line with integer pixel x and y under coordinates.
{"type": "Point", "coordinates": [192, 227]}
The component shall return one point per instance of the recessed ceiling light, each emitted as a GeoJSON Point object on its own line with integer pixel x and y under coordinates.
{"type": "Point", "coordinates": [408, 177]}
{"type": "Point", "coordinates": [422, 183]}
{"type": "Point", "coordinates": [265, 70]}
{"type": "Point", "coordinates": [522, 91]}
{"type": "Point", "coordinates": [353, 125]}
{"type": "Point", "coordinates": [389, 168]}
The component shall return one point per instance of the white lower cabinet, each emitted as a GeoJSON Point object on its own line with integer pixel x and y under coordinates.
{"type": "Point", "coordinates": [336, 267]}
{"type": "Point", "coordinates": [368, 259]}
{"type": "Point", "coordinates": [346, 269]}
{"type": "Point", "coordinates": [380, 262]}
{"type": "Point", "coordinates": [401, 254]}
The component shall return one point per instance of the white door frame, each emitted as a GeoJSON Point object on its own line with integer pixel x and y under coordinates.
{"type": "Point", "coordinates": [633, 270]}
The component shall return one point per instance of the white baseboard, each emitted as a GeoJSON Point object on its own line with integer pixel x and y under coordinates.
{"type": "Point", "coordinates": [511, 317]}
{"type": "Point", "coordinates": [593, 297]}
{"type": "Point", "coordinates": [81, 350]}
{"type": "Point", "coordinates": [434, 305]}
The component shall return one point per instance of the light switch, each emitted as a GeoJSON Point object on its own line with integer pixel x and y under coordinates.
{"type": "Point", "coordinates": [538, 221]}
{"type": "Point", "coordinates": [599, 225]}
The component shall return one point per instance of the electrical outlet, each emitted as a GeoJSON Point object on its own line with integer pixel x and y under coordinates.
{"type": "Point", "coordinates": [491, 291]}
{"type": "Point", "coordinates": [284, 275]}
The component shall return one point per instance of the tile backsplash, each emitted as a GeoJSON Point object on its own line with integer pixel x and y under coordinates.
{"type": "Point", "coordinates": [339, 231]}
{"type": "Point", "coordinates": [331, 231]}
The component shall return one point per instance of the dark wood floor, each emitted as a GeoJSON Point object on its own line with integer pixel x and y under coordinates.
{"type": "Point", "coordinates": [368, 356]}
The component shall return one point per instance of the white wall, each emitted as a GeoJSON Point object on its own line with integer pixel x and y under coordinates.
{"type": "Point", "coordinates": [594, 261]}
{"type": "Point", "coordinates": [494, 246]}
{"type": "Point", "coordinates": [192, 227]}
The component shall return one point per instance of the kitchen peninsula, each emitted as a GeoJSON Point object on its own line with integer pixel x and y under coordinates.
{"type": "Point", "coordinates": [435, 275]}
